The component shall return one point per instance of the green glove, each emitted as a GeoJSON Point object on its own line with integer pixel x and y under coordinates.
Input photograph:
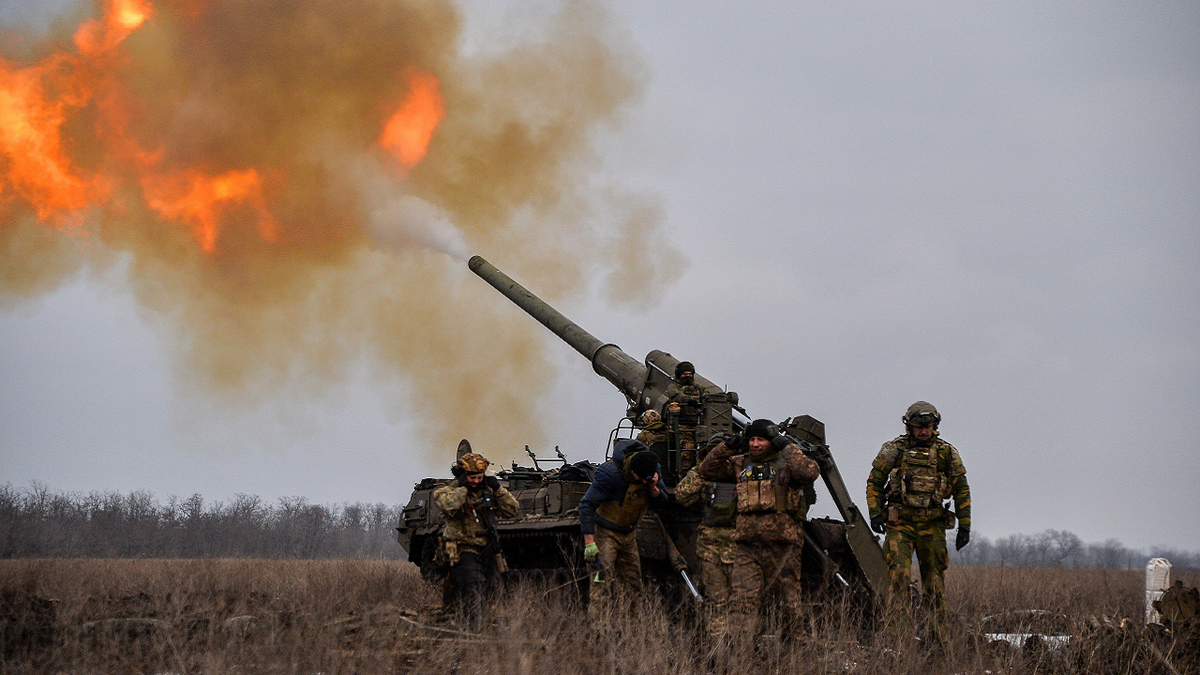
{"type": "Point", "coordinates": [590, 552]}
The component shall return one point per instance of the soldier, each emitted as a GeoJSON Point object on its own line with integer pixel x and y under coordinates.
{"type": "Point", "coordinates": [471, 504]}
{"type": "Point", "coordinates": [770, 474]}
{"type": "Point", "coordinates": [653, 435]}
{"type": "Point", "coordinates": [910, 479]}
{"type": "Point", "coordinates": [681, 413]}
{"type": "Point", "coordinates": [715, 544]}
{"type": "Point", "coordinates": [624, 487]}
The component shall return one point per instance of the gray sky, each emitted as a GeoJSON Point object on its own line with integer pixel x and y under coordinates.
{"type": "Point", "coordinates": [990, 207]}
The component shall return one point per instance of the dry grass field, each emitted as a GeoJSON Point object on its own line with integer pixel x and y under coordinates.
{"type": "Point", "coordinates": [355, 616]}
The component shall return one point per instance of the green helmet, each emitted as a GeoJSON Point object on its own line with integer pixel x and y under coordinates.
{"type": "Point", "coordinates": [921, 414]}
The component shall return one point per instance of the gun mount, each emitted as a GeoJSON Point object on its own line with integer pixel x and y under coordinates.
{"type": "Point", "coordinates": [544, 536]}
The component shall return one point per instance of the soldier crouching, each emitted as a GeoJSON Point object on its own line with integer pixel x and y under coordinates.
{"type": "Point", "coordinates": [623, 489]}
{"type": "Point", "coordinates": [471, 504]}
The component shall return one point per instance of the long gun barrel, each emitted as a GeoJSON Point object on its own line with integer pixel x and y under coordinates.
{"type": "Point", "coordinates": [643, 386]}
{"type": "Point", "coordinates": [614, 365]}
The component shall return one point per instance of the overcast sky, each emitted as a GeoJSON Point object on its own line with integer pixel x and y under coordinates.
{"type": "Point", "coordinates": [993, 207]}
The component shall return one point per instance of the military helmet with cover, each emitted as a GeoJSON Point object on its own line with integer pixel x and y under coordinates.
{"type": "Point", "coordinates": [921, 414]}
{"type": "Point", "coordinates": [473, 462]}
{"type": "Point", "coordinates": [648, 418]}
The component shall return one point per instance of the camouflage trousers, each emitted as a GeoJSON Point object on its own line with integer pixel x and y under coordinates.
{"type": "Point", "coordinates": [616, 577]}
{"type": "Point", "coordinates": [717, 552]}
{"type": "Point", "coordinates": [765, 571]}
{"type": "Point", "coordinates": [928, 541]}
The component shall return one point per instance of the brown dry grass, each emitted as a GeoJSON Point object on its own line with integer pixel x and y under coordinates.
{"type": "Point", "coordinates": [349, 616]}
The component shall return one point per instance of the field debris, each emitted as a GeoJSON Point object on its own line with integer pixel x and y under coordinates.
{"type": "Point", "coordinates": [1028, 629]}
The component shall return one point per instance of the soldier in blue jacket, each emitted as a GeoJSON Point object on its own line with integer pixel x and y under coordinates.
{"type": "Point", "coordinates": [624, 487]}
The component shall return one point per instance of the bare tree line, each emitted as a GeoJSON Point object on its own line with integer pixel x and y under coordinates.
{"type": "Point", "coordinates": [38, 522]}
{"type": "Point", "coordinates": [1060, 548]}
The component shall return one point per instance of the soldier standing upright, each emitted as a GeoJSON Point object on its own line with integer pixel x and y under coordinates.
{"type": "Point", "coordinates": [653, 435]}
{"type": "Point", "coordinates": [910, 480]}
{"type": "Point", "coordinates": [681, 414]}
{"type": "Point", "coordinates": [769, 473]}
{"type": "Point", "coordinates": [715, 543]}
{"type": "Point", "coordinates": [471, 504]}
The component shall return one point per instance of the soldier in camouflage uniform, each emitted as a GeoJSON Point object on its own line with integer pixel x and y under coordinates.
{"type": "Point", "coordinates": [715, 544]}
{"type": "Point", "coordinates": [653, 435]}
{"type": "Point", "coordinates": [769, 473]}
{"type": "Point", "coordinates": [681, 413]}
{"type": "Point", "coordinates": [468, 504]}
{"type": "Point", "coordinates": [910, 480]}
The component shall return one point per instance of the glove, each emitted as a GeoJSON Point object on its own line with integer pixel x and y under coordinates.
{"type": "Point", "coordinates": [590, 553]}
{"type": "Point", "coordinates": [780, 442]}
{"type": "Point", "coordinates": [735, 442]}
{"type": "Point", "coordinates": [492, 482]}
{"type": "Point", "coordinates": [962, 539]}
{"type": "Point", "coordinates": [461, 479]}
{"type": "Point", "coordinates": [878, 526]}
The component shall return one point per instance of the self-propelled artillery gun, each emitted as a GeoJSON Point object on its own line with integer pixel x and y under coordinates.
{"type": "Point", "coordinates": [544, 537]}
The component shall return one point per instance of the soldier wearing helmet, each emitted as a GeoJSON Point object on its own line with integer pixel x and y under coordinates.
{"type": "Point", "coordinates": [911, 481]}
{"type": "Point", "coordinates": [769, 472]}
{"type": "Point", "coordinates": [653, 435]}
{"type": "Point", "coordinates": [471, 504]}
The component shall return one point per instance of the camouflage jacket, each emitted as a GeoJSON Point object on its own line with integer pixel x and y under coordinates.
{"type": "Point", "coordinates": [464, 523]}
{"type": "Point", "coordinates": [887, 481]}
{"type": "Point", "coordinates": [653, 433]}
{"type": "Point", "coordinates": [791, 471]}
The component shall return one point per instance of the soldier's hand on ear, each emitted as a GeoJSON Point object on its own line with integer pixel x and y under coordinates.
{"type": "Point", "coordinates": [962, 539]}
{"type": "Point", "coordinates": [492, 482]}
{"type": "Point", "coordinates": [735, 442]}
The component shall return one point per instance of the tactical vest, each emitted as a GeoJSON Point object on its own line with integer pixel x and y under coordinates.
{"type": "Point", "coordinates": [631, 509]}
{"type": "Point", "coordinates": [759, 490]}
{"type": "Point", "coordinates": [915, 481]}
{"type": "Point", "coordinates": [720, 504]}
{"type": "Point", "coordinates": [685, 410]}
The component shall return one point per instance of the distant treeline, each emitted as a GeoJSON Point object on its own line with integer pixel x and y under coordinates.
{"type": "Point", "coordinates": [1059, 548]}
{"type": "Point", "coordinates": [37, 522]}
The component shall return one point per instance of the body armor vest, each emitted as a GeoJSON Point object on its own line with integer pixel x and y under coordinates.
{"type": "Point", "coordinates": [685, 410]}
{"type": "Point", "coordinates": [629, 511]}
{"type": "Point", "coordinates": [915, 481]}
{"type": "Point", "coordinates": [759, 491]}
{"type": "Point", "coordinates": [720, 504]}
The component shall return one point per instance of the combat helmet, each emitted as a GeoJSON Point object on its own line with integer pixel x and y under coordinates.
{"type": "Point", "coordinates": [922, 414]}
{"type": "Point", "coordinates": [649, 418]}
{"type": "Point", "coordinates": [473, 462]}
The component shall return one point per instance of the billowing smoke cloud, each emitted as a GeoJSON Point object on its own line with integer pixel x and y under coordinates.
{"type": "Point", "coordinates": [234, 153]}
